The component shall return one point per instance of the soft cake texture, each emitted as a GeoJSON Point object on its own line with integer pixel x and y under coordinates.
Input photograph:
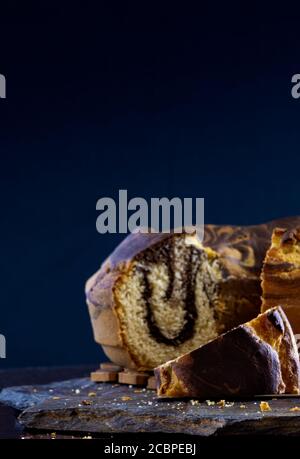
{"type": "Point", "coordinates": [161, 295]}
{"type": "Point", "coordinates": [257, 358]}
{"type": "Point", "coordinates": [281, 275]}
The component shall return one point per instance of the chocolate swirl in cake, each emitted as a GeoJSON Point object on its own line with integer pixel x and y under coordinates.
{"type": "Point", "coordinates": [166, 255]}
{"type": "Point", "coordinates": [152, 299]}
{"type": "Point", "coordinates": [281, 274]}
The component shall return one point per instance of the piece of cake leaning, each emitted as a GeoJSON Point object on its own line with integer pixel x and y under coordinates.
{"type": "Point", "coordinates": [257, 358]}
{"type": "Point", "coordinates": [281, 275]}
{"type": "Point", "coordinates": [158, 296]}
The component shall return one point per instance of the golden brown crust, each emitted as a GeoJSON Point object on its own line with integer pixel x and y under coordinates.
{"type": "Point", "coordinates": [242, 246]}
{"type": "Point", "coordinates": [104, 318]}
{"type": "Point", "coordinates": [289, 358]}
{"type": "Point", "coordinates": [281, 274]}
{"type": "Point", "coordinates": [241, 250]}
{"type": "Point", "coordinates": [257, 358]}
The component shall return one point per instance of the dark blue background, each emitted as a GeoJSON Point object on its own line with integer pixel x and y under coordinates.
{"type": "Point", "coordinates": [161, 102]}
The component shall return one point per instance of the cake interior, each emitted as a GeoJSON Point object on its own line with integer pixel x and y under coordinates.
{"type": "Point", "coordinates": [270, 327]}
{"type": "Point", "coordinates": [281, 275]}
{"type": "Point", "coordinates": [173, 298]}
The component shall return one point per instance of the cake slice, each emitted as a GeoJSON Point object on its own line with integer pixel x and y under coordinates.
{"type": "Point", "coordinates": [257, 358]}
{"type": "Point", "coordinates": [281, 275]}
{"type": "Point", "coordinates": [161, 295]}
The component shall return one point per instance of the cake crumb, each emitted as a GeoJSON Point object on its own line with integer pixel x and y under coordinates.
{"type": "Point", "coordinates": [86, 402]}
{"type": "Point", "coordinates": [53, 435]}
{"type": "Point", "coordinates": [229, 404]}
{"type": "Point", "coordinates": [92, 394]}
{"type": "Point", "coordinates": [125, 398]}
{"type": "Point", "coordinates": [264, 406]}
{"type": "Point", "coordinates": [210, 402]}
{"type": "Point", "coordinates": [296, 408]}
{"type": "Point", "coordinates": [56, 398]}
{"type": "Point", "coordinates": [242, 407]}
{"type": "Point", "coordinates": [195, 402]}
{"type": "Point", "coordinates": [221, 403]}
{"type": "Point", "coordinates": [87, 437]}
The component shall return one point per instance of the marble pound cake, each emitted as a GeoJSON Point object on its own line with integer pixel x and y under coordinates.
{"type": "Point", "coordinates": [161, 295]}
{"type": "Point", "coordinates": [257, 358]}
{"type": "Point", "coordinates": [281, 275]}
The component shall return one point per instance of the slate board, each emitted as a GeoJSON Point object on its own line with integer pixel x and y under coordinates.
{"type": "Point", "coordinates": [78, 405]}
